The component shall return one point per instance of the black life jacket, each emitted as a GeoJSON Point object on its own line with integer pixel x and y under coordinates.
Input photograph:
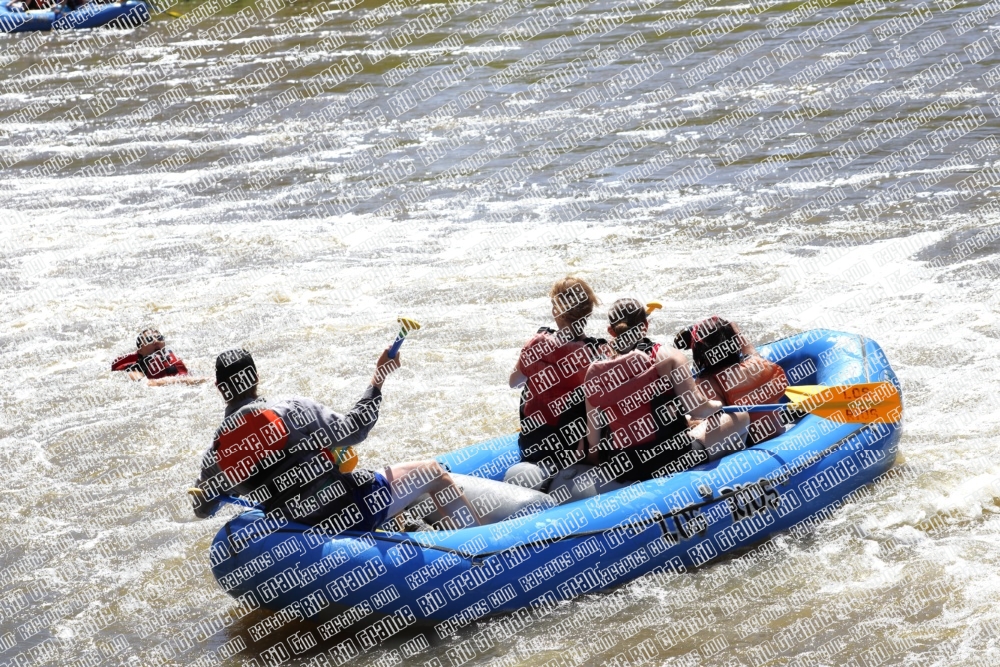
{"type": "Point", "coordinates": [644, 420]}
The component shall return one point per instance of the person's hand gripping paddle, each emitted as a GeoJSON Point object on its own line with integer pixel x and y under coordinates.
{"type": "Point", "coordinates": [345, 457]}
{"type": "Point", "coordinates": [406, 325]}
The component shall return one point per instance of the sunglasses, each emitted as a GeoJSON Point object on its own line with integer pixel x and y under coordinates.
{"type": "Point", "coordinates": [146, 339]}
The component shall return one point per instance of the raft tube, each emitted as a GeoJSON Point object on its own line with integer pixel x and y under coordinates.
{"type": "Point", "coordinates": [381, 582]}
{"type": "Point", "coordinates": [120, 14]}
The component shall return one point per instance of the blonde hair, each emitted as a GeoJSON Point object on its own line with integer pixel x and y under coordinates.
{"type": "Point", "coordinates": [573, 299]}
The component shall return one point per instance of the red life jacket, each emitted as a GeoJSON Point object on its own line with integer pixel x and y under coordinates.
{"type": "Point", "coordinates": [160, 364]}
{"type": "Point", "coordinates": [554, 369]}
{"type": "Point", "coordinates": [638, 405]}
{"type": "Point", "coordinates": [737, 379]}
{"type": "Point", "coordinates": [553, 414]}
{"type": "Point", "coordinates": [254, 435]}
{"type": "Point", "coordinates": [126, 362]}
{"type": "Point", "coordinates": [753, 381]}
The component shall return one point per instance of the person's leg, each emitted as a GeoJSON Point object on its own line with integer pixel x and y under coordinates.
{"type": "Point", "coordinates": [407, 481]}
{"type": "Point", "coordinates": [721, 434]}
{"type": "Point", "coordinates": [528, 475]}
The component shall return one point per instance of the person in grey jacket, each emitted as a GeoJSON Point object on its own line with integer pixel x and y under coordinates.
{"type": "Point", "coordinates": [292, 456]}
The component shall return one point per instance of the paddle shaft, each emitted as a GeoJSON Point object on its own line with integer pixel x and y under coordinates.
{"type": "Point", "coordinates": [768, 407]}
{"type": "Point", "coordinates": [235, 501]}
{"type": "Point", "coordinates": [406, 325]}
{"type": "Point", "coordinates": [217, 502]}
{"type": "Point", "coordinates": [838, 411]}
{"type": "Point", "coordinates": [771, 407]}
{"type": "Point", "coordinates": [396, 345]}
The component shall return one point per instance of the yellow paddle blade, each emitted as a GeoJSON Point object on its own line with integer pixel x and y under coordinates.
{"type": "Point", "coordinates": [406, 325]}
{"type": "Point", "coordinates": [845, 393]}
{"type": "Point", "coordinates": [849, 404]}
{"type": "Point", "coordinates": [653, 305]}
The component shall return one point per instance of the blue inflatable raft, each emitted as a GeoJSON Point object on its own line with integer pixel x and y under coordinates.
{"type": "Point", "coordinates": [383, 582]}
{"type": "Point", "coordinates": [93, 15]}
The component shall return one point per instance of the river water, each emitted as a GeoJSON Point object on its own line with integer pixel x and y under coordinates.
{"type": "Point", "coordinates": [290, 177]}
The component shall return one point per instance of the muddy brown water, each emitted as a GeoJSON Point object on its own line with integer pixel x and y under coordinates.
{"type": "Point", "coordinates": [290, 177]}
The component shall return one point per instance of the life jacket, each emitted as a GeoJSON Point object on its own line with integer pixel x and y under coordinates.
{"type": "Point", "coordinates": [160, 364]}
{"type": "Point", "coordinates": [552, 412]}
{"type": "Point", "coordinates": [257, 433]}
{"type": "Point", "coordinates": [735, 378]}
{"type": "Point", "coordinates": [247, 438]}
{"type": "Point", "coordinates": [639, 408]}
{"type": "Point", "coordinates": [253, 450]}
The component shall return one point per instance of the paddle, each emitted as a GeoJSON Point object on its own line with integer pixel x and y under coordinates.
{"type": "Point", "coordinates": [232, 500]}
{"type": "Point", "coordinates": [653, 305]}
{"type": "Point", "coordinates": [406, 325]}
{"type": "Point", "coordinates": [345, 457]}
{"type": "Point", "coordinates": [850, 404]}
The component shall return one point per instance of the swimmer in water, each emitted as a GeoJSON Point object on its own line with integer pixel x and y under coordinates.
{"type": "Point", "coordinates": [154, 361]}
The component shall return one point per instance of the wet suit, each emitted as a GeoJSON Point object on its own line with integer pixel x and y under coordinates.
{"type": "Point", "coordinates": [277, 452]}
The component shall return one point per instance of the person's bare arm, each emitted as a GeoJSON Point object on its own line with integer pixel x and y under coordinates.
{"type": "Point", "coordinates": [593, 434]}
{"type": "Point", "coordinates": [672, 364]}
{"type": "Point", "coordinates": [176, 379]}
